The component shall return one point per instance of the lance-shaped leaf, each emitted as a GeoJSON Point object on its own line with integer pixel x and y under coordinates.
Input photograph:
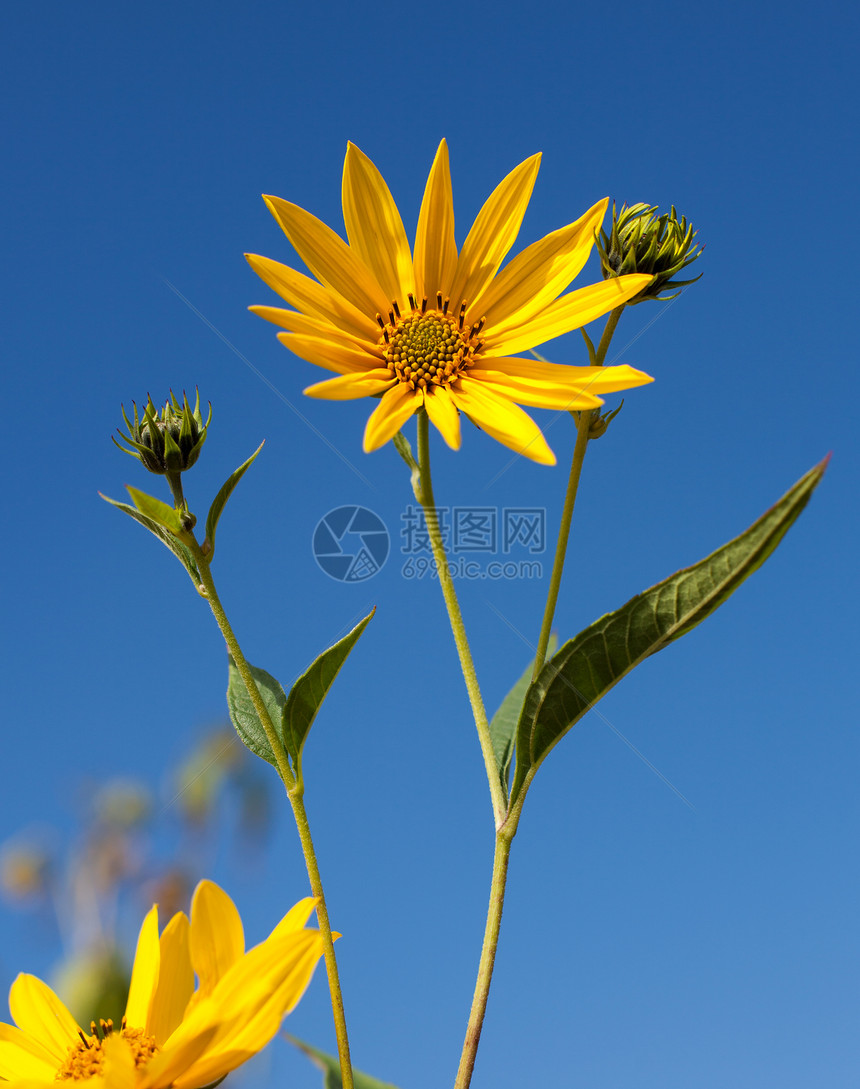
{"type": "Point", "coordinates": [220, 501]}
{"type": "Point", "coordinates": [178, 549]}
{"type": "Point", "coordinates": [587, 667]}
{"type": "Point", "coordinates": [158, 511]}
{"type": "Point", "coordinates": [503, 725]}
{"type": "Point", "coordinates": [330, 1067]}
{"type": "Point", "coordinates": [307, 694]}
{"type": "Point", "coordinates": [244, 715]}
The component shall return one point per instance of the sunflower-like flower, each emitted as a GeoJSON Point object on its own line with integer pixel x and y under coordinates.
{"type": "Point", "coordinates": [172, 1034]}
{"type": "Point", "coordinates": [437, 329]}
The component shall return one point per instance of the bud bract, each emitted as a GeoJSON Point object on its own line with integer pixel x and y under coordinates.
{"type": "Point", "coordinates": [643, 241]}
{"type": "Point", "coordinates": [166, 442]}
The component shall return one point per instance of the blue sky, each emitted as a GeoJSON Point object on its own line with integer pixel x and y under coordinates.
{"type": "Point", "coordinates": [648, 940]}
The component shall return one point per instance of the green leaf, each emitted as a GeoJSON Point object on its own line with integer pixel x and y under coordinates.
{"type": "Point", "coordinates": [309, 691]}
{"type": "Point", "coordinates": [244, 715]}
{"type": "Point", "coordinates": [154, 509]}
{"type": "Point", "coordinates": [503, 726]}
{"type": "Point", "coordinates": [587, 667]}
{"type": "Point", "coordinates": [330, 1067]}
{"type": "Point", "coordinates": [220, 502]}
{"type": "Point", "coordinates": [178, 549]}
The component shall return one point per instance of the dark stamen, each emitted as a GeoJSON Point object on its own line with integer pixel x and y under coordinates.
{"type": "Point", "coordinates": [424, 305]}
{"type": "Point", "coordinates": [381, 322]}
{"type": "Point", "coordinates": [462, 316]}
{"type": "Point", "coordinates": [412, 302]}
{"type": "Point", "coordinates": [396, 309]}
{"type": "Point", "coordinates": [385, 335]}
{"type": "Point", "coordinates": [84, 1040]}
{"type": "Point", "coordinates": [445, 307]}
{"type": "Point", "coordinates": [438, 300]}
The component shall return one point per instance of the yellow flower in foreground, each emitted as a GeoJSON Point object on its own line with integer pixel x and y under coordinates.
{"type": "Point", "coordinates": [438, 330]}
{"type": "Point", "coordinates": [172, 1034]}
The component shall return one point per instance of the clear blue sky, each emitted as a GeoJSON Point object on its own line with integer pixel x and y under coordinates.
{"type": "Point", "coordinates": [646, 942]}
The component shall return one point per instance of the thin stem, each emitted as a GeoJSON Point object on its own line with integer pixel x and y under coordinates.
{"type": "Point", "coordinates": [297, 802]}
{"type": "Point", "coordinates": [424, 495]}
{"type": "Point", "coordinates": [579, 449]}
{"type": "Point", "coordinates": [488, 958]}
{"type": "Point", "coordinates": [294, 793]}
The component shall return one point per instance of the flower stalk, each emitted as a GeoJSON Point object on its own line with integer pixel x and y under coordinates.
{"type": "Point", "coordinates": [294, 793]}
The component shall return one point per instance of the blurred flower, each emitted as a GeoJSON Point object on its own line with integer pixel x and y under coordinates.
{"type": "Point", "coordinates": [172, 1034]}
{"type": "Point", "coordinates": [437, 330]}
{"type": "Point", "coordinates": [642, 241]}
{"type": "Point", "coordinates": [23, 871]}
{"type": "Point", "coordinates": [122, 803]}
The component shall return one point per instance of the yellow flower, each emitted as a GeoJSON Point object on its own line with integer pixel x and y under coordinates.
{"type": "Point", "coordinates": [172, 1034]}
{"type": "Point", "coordinates": [437, 330]}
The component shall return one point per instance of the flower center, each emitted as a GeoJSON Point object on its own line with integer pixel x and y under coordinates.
{"type": "Point", "coordinates": [428, 347]}
{"type": "Point", "coordinates": [86, 1058]}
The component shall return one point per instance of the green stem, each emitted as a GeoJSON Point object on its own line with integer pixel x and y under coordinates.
{"type": "Point", "coordinates": [424, 495]}
{"type": "Point", "coordinates": [488, 958]}
{"type": "Point", "coordinates": [582, 430]}
{"type": "Point", "coordinates": [294, 793]}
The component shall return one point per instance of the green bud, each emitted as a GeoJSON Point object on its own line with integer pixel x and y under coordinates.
{"type": "Point", "coordinates": [166, 442]}
{"type": "Point", "coordinates": [642, 241]}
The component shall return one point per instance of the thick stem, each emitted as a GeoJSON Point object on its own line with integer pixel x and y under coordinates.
{"type": "Point", "coordinates": [582, 430]}
{"type": "Point", "coordinates": [425, 497]}
{"type": "Point", "coordinates": [294, 793]}
{"type": "Point", "coordinates": [488, 958]}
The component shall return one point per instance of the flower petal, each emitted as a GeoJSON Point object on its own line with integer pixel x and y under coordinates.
{"type": "Point", "coordinates": [39, 1013]}
{"type": "Point", "coordinates": [22, 1056]}
{"type": "Point", "coordinates": [307, 295]}
{"type": "Point", "coordinates": [175, 977]}
{"type": "Point", "coordinates": [184, 1048]}
{"type": "Point", "coordinates": [503, 421]}
{"type": "Point", "coordinates": [144, 974]}
{"type": "Point", "coordinates": [435, 245]}
{"type": "Point", "coordinates": [531, 280]}
{"type": "Point", "coordinates": [374, 227]}
{"type": "Point", "coordinates": [443, 414]}
{"type": "Point", "coordinates": [309, 325]}
{"type": "Point", "coordinates": [494, 232]}
{"type": "Point", "coordinates": [349, 387]}
{"type": "Point", "coordinates": [329, 258]}
{"type": "Point", "coordinates": [593, 380]}
{"type": "Point", "coordinates": [392, 412]}
{"type": "Point", "coordinates": [569, 312]}
{"type": "Point", "coordinates": [120, 1071]}
{"type": "Point", "coordinates": [299, 913]}
{"type": "Point", "coordinates": [535, 392]}
{"type": "Point", "coordinates": [217, 939]}
{"type": "Point", "coordinates": [330, 354]}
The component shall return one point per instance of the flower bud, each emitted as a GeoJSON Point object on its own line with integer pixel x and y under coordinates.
{"type": "Point", "coordinates": [166, 442]}
{"type": "Point", "coordinates": [642, 241]}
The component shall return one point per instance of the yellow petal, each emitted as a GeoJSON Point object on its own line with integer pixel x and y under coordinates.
{"type": "Point", "coordinates": [535, 392]}
{"type": "Point", "coordinates": [244, 1038]}
{"type": "Point", "coordinates": [392, 412]}
{"type": "Point", "coordinates": [502, 420]}
{"type": "Point", "coordinates": [298, 914]}
{"type": "Point", "coordinates": [175, 978]}
{"type": "Point", "coordinates": [308, 296]}
{"type": "Point", "coordinates": [593, 380]}
{"type": "Point", "coordinates": [329, 258]}
{"type": "Point", "coordinates": [184, 1048]}
{"type": "Point", "coordinates": [494, 232]}
{"type": "Point", "coordinates": [144, 974]}
{"type": "Point", "coordinates": [374, 227]}
{"type": "Point", "coordinates": [119, 1067]}
{"type": "Point", "coordinates": [39, 1013]}
{"type": "Point", "coordinates": [532, 279]}
{"type": "Point", "coordinates": [349, 387]}
{"type": "Point", "coordinates": [332, 355]}
{"type": "Point", "coordinates": [443, 414]}
{"type": "Point", "coordinates": [309, 325]}
{"type": "Point", "coordinates": [21, 1056]}
{"type": "Point", "coordinates": [435, 246]}
{"type": "Point", "coordinates": [217, 938]}
{"type": "Point", "coordinates": [569, 312]}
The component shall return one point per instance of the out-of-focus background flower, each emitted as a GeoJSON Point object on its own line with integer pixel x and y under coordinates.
{"type": "Point", "coordinates": [683, 907]}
